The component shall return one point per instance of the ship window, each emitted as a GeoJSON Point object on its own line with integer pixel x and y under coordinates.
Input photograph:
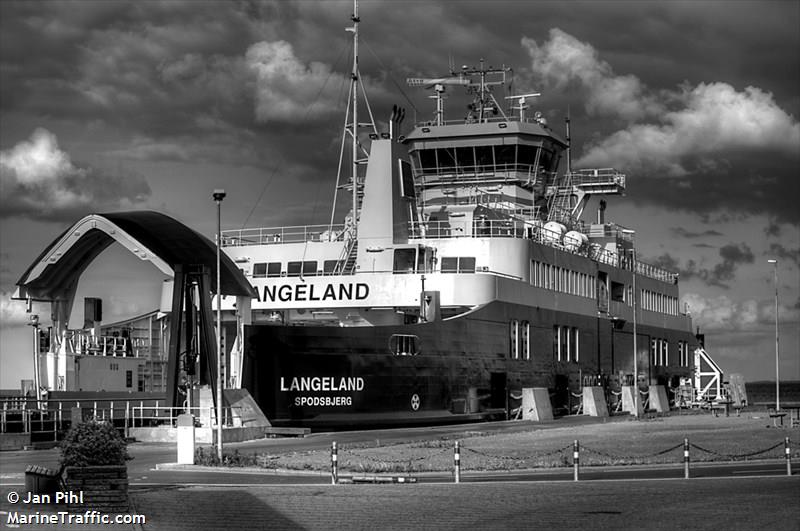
{"type": "Point", "coordinates": [484, 158]}
{"type": "Point", "coordinates": [557, 350]}
{"type": "Point", "coordinates": [446, 159]}
{"type": "Point", "coordinates": [466, 158]}
{"type": "Point", "coordinates": [576, 351]}
{"type": "Point", "coordinates": [514, 338]}
{"type": "Point", "coordinates": [427, 160]}
{"type": "Point", "coordinates": [260, 270]}
{"type": "Point", "coordinates": [526, 157]}
{"type": "Point", "coordinates": [404, 345]}
{"type": "Point", "coordinates": [329, 266]}
{"type": "Point", "coordinates": [617, 291]}
{"type": "Point", "coordinates": [449, 264]}
{"type": "Point", "coordinates": [293, 269]}
{"type": "Point", "coordinates": [404, 260]}
{"type": "Point", "coordinates": [310, 268]}
{"type": "Point", "coordinates": [274, 269]}
{"type": "Point", "coordinates": [466, 264]}
{"type": "Point", "coordinates": [505, 157]}
{"type": "Point", "coordinates": [526, 340]}
{"type": "Point", "coordinates": [546, 160]}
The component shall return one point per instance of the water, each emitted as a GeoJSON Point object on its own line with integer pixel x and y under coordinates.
{"type": "Point", "coordinates": [765, 392]}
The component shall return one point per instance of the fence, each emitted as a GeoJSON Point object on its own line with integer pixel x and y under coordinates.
{"type": "Point", "coordinates": [51, 422]}
{"type": "Point", "coordinates": [358, 459]}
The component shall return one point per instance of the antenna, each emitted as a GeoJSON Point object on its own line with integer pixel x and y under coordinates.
{"type": "Point", "coordinates": [521, 103]}
{"type": "Point", "coordinates": [438, 85]}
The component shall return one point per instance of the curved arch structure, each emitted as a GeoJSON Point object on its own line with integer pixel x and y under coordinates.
{"type": "Point", "coordinates": [148, 235]}
{"type": "Point", "coordinates": [173, 248]}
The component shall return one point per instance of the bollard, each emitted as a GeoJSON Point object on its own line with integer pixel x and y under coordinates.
{"type": "Point", "coordinates": [575, 458]}
{"type": "Point", "coordinates": [788, 452]}
{"type": "Point", "coordinates": [334, 464]}
{"type": "Point", "coordinates": [686, 458]}
{"type": "Point", "coordinates": [457, 463]}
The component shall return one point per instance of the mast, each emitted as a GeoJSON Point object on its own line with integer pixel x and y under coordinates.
{"type": "Point", "coordinates": [354, 125]}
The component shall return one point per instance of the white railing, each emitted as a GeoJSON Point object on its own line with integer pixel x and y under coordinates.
{"type": "Point", "coordinates": [597, 176]}
{"type": "Point", "coordinates": [55, 415]}
{"type": "Point", "coordinates": [290, 234]}
{"type": "Point", "coordinates": [514, 228]}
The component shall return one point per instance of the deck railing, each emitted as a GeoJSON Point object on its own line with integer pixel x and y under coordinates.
{"type": "Point", "coordinates": [274, 235]}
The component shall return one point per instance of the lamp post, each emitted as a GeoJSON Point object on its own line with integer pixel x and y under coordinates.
{"type": "Point", "coordinates": [219, 195]}
{"type": "Point", "coordinates": [636, 397]}
{"type": "Point", "coordinates": [777, 359]}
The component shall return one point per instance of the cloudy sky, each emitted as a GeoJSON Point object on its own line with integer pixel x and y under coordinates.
{"type": "Point", "coordinates": [111, 106]}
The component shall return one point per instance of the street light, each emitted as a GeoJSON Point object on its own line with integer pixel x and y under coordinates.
{"type": "Point", "coordinates": [777, 359]}
{"type": "Point", "coordinates": [219, 195]}
{"type": "Point", "coordinates": [636, 397]}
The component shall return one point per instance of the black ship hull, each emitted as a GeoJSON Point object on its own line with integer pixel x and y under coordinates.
{"type": "Point", "coordinates": [465, 368]}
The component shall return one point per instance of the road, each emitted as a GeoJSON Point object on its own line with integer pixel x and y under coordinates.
{"type": "Point", "coordinates": [731, 496]}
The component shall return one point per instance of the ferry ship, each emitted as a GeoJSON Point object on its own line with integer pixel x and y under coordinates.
{"type": "Point", "coordinates": [463, 273]}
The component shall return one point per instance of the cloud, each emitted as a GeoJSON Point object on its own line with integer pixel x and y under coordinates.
{"type": "Point", "coordinates": [732, 255]}
{"type": "Point", "coordinates": [700, 147]}
{"type": "Point", "coordinates": [40, 181]}
{"type": "Point", "coordinates": [12, 312]}
{"type": "Point", "coordinates": [711, 120]}
{"type": "Point", "coordinates": [721, 313]}
{"type": "Point", "coordinates": [680, 231]}
{"type": "Point", "coordinates": [286, 89]}
{"type": "Point", "coordinates": [564, 60]}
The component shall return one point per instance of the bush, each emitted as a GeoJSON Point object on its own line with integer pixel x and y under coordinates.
{"type": "Point", "coordinates": [93, 444]}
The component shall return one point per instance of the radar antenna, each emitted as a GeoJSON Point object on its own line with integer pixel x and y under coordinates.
{"type": "Point", "coordinates": [521, 106]}
{"type": "Point", "coordinates": [437, 84]}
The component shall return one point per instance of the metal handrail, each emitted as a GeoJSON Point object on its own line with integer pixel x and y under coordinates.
{"type": "Point", "coordinates": [288, 234]}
